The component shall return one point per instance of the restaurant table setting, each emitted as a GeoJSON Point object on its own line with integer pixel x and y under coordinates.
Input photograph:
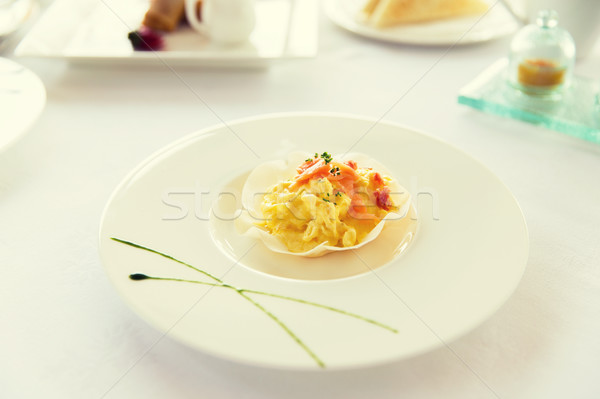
{"type": "Point", "coordinates": [293, 199]}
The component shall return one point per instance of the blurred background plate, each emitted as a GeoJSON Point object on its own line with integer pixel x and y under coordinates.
{"type": "Point", "coordinates": [496, 23]}
{"type": "Point", "coordinates": [13, 14]}
{"type": "Point", "coordinates": [92, 31]}
{"type": "Point", "coordinates": [22, 99]}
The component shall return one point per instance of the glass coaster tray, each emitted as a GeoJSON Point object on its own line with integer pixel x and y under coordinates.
{"type": "Point", "coordinates": [576, 113]}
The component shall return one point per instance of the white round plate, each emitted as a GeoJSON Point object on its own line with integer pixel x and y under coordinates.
{"type": "Point", "coordinates": [465, 261]}
{"type": "Point", "coordinates": [496, 23]}
{"type": "Point", "coordinates": [22, 99]}
{"type": "Point", "coordinates": [14, 14]}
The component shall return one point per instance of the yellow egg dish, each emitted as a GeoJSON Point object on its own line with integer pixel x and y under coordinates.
{"type": "Point", "coordinates": [327, 201]}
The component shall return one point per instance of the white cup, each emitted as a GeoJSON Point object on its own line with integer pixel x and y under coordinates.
{"type": "Point", "coordinates": [223, 21]}
{"type": "Point", "coordinates": [580, 17]}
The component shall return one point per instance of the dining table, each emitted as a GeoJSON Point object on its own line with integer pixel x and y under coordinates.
{"type": "Point", "coordinates": [66, 332]}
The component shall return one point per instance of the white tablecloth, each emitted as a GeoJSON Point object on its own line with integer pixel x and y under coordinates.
{"type": "Point", "coordinates": [65, 333]}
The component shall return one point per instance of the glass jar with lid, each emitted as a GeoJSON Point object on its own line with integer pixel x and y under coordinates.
{"type": "Point", "coordinates": [542, 57]}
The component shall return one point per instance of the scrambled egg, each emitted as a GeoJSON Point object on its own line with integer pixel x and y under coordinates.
{"type": "Point", "coordinates": [339, 208]}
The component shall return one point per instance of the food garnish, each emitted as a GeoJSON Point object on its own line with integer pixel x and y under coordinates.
{"type": "Point", "coordinates": [145, 39]}
{"type": "Point", "coordinates": [362, 200]}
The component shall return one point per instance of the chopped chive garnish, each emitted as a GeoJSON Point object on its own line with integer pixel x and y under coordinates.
{"type": "Point", "coordinates": [326, 157]}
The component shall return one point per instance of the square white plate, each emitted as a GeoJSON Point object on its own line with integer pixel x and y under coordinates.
{"type": "Point", "coordinates": [95, 31]}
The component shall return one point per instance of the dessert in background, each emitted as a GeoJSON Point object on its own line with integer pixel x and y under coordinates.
{"type": "Point", "coordinates": [164, 15]}
{"type": "Point", "coordinates": [541, 73]}
{"type": "Point", "coordinates": [542, 56]}
{"type": "Point", "coordinates": [145, 39]}
{"type": "Point", "coordinates": [384, 13]}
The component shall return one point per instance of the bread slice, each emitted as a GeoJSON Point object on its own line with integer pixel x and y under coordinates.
{"type": "Point", "coordinates": [370, 7]}
{"type": "Point", "coordinates": [383, 13]}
